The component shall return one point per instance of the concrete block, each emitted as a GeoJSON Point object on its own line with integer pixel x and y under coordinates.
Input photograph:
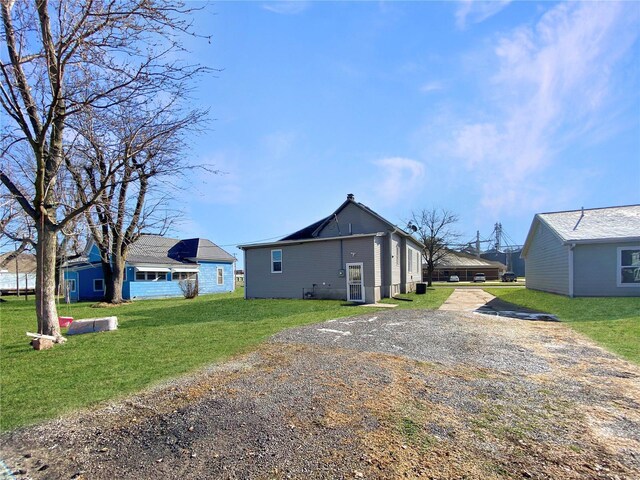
{"type": "Point", "coordinates": [91, 325]}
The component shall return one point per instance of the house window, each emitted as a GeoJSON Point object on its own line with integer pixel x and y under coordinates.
{"type": "Point", "coordinates": [397, 255]}
{"type": "Point", "coordinates": [71, 285]}
{"type": "Point", "coordinates": [98, 285]}
{"type": "Point", "coordinates": [150, 276]}
{"type": "Point", "coordinates": [418, 262]}
{"type": "Point", "coordinates": [276, 261]}
{"type": "Point", "coordinates": [410, 257]}
{"type": "Point", "coordinates": [220, 276]}
{"type": "Point", "coordinates": [179, 276]}
{"type": "Point", "coordinates": [629, 266]}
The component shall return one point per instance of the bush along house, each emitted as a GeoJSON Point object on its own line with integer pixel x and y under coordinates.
{"type": "Point", "coordinates": [154, 268]}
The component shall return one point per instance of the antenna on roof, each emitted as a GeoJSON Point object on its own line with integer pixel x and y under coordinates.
{"type": "Point", "coordinates": [581, 216]}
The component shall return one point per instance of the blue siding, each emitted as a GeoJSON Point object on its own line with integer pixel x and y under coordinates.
{"type": "Point", "coordinates": [208, 277]}
{"type": "Point", "coordinates": [137, 290]}
{"type": "Point", "coordinates": [161, 288]}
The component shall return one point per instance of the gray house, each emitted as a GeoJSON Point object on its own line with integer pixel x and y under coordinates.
{"type": "Point", "coordinates": [353, 254]}
{"type": "Point", "coordinates": [585, 253]}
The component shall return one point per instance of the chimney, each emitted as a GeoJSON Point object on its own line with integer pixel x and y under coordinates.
{"type": "Point", "coordinates": [351, 196]}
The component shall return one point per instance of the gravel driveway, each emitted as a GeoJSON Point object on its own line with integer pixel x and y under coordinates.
{"type": "Point", "coordinates": [388, 394]}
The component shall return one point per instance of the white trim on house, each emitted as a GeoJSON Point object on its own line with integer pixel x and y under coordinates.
{"type": "Point", "coordinates": [273, 261]}
{"type": "Point", "coordinates": [570, 262]}
{"type": "Point", "coordinates": [359, 286]}
{"type": "Point", "coordinates": [94, 284]}
{"type": "Point", "coordinates": [152, 269]}
{"type": "Point", "coordinates": [308, 240]}
{"type": "Point", "coordinates": [619, 268]}
{"type": "Point", "coordinates": [185, 269]}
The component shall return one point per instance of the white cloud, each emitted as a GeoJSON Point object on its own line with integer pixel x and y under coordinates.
{"type": "Point", "coordinates": [475, 11]}
{"type": "Point", "coordinates": [554, 85]}
{"type": "Point", "coordinates": [397, 176]}
{"type": "Point", "coordinates": [431, 87]}
{"type": "Point", "coordinates": [286, 7]}
{"type": "Point", "coordinates": [278, 144]}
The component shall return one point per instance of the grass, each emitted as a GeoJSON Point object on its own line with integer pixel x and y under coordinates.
{"type": "Point", "coordinates": [431, 300]}
{"type": "Point", "coordinates": [156, 340]}
{"type": "Point", "coordinates": [613, 322]}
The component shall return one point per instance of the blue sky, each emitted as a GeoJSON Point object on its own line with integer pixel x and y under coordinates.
{"type": "Point", "coordinates": [493, 110]}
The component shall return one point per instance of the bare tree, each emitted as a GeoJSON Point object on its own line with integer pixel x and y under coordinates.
{"type": "Point", "coordinates": [63, 58]}
{"type": "Point", "coordinates": [147, 139]}
{"type": "Point", "coordinates": [434, 229]}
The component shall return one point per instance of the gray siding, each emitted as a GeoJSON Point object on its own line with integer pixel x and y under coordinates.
{"type": "Point", "coordinates": [360, 220]}
{"type": "Point", "coordinates": [310, 267]}
{"type": "Point", "coordinates": [396, 266]}
{"type": "Point", "coordinates": [596, 270]}
{"type": "Point", "coordinates": [547, 262]}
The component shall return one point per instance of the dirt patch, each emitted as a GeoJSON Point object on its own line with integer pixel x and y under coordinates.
{"type": "Point", "coordinates": [309, 406]}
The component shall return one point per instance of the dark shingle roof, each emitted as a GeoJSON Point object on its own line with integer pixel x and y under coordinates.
{"type": "Point", "coordinates": [158, 249]}
{"type": "Point", "coordinates": [306, 232]}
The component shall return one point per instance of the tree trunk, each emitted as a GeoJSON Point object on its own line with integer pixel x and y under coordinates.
{"type": "Point", "coordinates": [114, 287]}
{"type": "Point", "coordinates": [107, 274]}
{"type": "Point", "coordinates": [46, 310]}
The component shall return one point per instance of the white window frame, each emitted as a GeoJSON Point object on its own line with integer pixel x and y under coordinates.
{"type": "Point", "coordinates": [94, 284]}
{"type": "Point", "coordinates": [220, 275]}
{"type": "Point", "coordinates": [274, 261]}
{"type": "Point", "coordinates": [155, 275]}
{"type": "Point", "coordinates": [71, 281]}
{"type": "Point", "coordinates": [410, 260]}
{"type": "Point", "coordinates": [619, 268]}
{"type": "Point", "coordinates": [177, 276]}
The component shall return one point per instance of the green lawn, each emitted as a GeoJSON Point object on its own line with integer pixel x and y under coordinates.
{"type": "Point", "coordinates": [613, 322]}
{"type": "Point", "coordinates": [431, 300]}
{"type": "Point", "coordinates": [156, 340]}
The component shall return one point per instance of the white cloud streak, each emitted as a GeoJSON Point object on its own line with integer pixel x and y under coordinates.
{"type": "Point", "coordinates": [470, 11]}
{"type": "Point", "coordinates": [397, 176]}
{"type": "Point", "coordinates": [286, 7]}
{"type": "Point", "coordinates": [554, 81]}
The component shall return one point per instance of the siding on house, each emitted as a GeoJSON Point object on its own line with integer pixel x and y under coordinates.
{"type": "Point", "coordinates": [396, 265]}
{"type": "Point", "coordinates": [360, 220]}
{"type": "Point", "coordinates": [84, 285]}
{"type": "Point", "coordinates": [208, 277]}
{"type": "Point", "coordinates": [154, 289]}
{"type": "Point", "coordinates": [313, 267]}
{"type": "Point", "coordinates": [547, 262]}
{"type": "Point", "coordinates": [596, 271]}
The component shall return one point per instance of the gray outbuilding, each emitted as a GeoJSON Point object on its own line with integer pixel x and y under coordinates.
{"type": "Point", "coordinates": [585, 253]}
{"type": "Point", "coordinates": [353, 254]}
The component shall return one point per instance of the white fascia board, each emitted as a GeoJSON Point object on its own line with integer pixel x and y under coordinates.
{"type": "Point", "coordinates": [603, 240]}
{"type": "Point", "coordinates": [310, 240]}
{"type": "Point", "coordinates": [185, 269]}
{"type": "Point", "coordinates": [141, 268]}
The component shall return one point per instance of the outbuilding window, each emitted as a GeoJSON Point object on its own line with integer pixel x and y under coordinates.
{"type": "Point", "coordinates": [629, 266]}
{"type": "Point", "coordinates": [150, 276]}
{"type": "Point", "coordinates": [98, 285]}
{"type": "Point", "coordinates": [276, 261]}
{"type": "Point", "coordinates": [71, 285]}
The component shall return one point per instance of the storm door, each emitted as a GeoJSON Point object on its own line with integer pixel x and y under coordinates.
{"type": "Point", "coordinates": [355, 282]}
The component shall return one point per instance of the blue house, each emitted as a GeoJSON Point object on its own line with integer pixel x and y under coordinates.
{"type": "Point", "coordinates": [154, 268]}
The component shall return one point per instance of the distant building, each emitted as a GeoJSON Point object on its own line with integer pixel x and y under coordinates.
{"type": "Point", "coordinates": [353, 254]}
{"type": "Point", "coordinates": [18, 275]}
{"type": "Point", "coordinates": [512, 259]}
{"type": "Point", "coordinates": [464, 266]}
{"type": "Point", "coordinates": [585, 253]}
{"type": "Point", "coordinates": [155, 266]}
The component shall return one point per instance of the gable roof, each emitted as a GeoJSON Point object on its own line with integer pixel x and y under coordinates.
{"type": "Point", "coordinates": [159, 250]}
{"type": "Point", "coordinates": [313, 230]}
{"type": "Point", "coordinates": [594, 225]}
{"type": "Point", "coordinates": [202, 249]}
{"type": "Point", "coordinates": [26, 263]}
{"type": "Point", "coordinates": [453, 259]}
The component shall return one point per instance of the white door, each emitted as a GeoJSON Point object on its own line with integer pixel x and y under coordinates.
{"type": "Point", "coordinates": [355, 282]}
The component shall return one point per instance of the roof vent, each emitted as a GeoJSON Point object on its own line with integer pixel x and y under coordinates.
{"type": "Point", "coordinates": [351, 196]}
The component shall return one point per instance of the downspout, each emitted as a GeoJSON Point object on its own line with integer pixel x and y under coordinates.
{"type": "Point", "coordinates": [571, 247]}
{"type": "Point", "coordinates": [244, 260]}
